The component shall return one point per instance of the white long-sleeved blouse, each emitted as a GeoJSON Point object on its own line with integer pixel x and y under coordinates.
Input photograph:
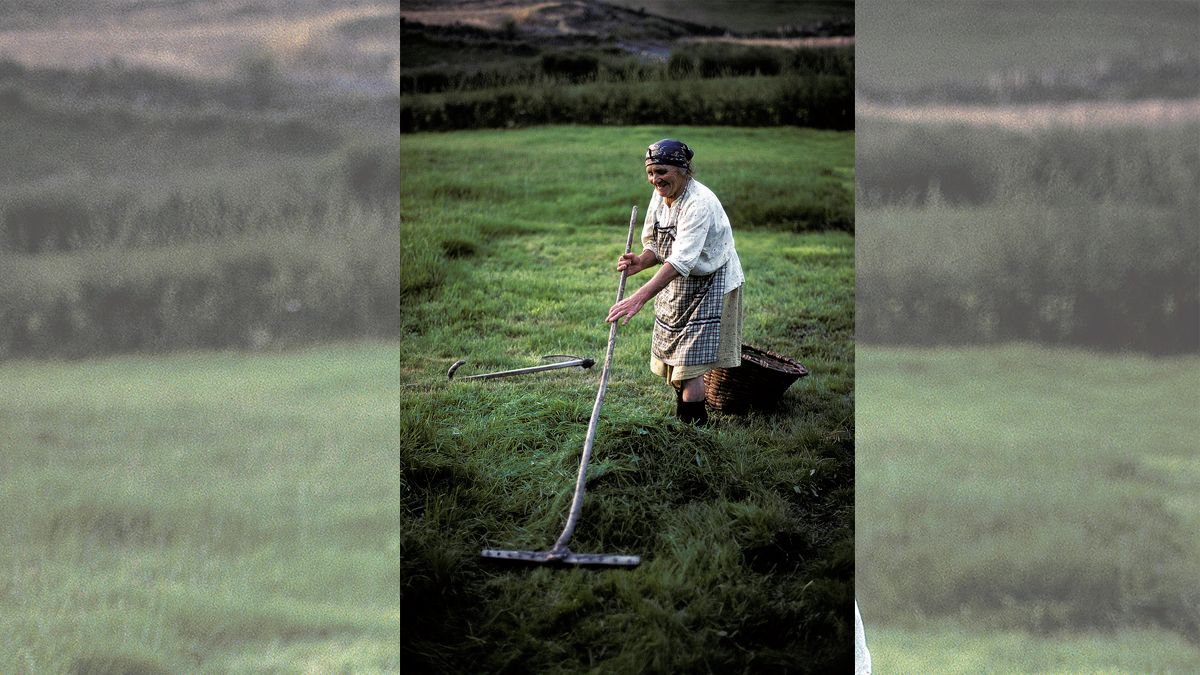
{"type": "Point", "coordinates": [703, 236]}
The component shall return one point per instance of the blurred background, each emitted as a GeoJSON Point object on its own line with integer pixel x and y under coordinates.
{"type": "Point", "coordinates": [199, 307]}
{"type": "Point", "coordinates": [1028, 328]}
{"type": "Point", "coordinates": [196, 175]}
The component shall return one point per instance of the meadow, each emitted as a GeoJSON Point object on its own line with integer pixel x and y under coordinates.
{"type": "Point", "coordinates": [1027, 509]}
{"type": "Point", "coordinates": [510, 186]}
{"type": "Point", "coordinates": [744, 528]}
{"type": "Point", "coordinates": [201, 512]}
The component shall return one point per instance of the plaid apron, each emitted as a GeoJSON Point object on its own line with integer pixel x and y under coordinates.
{"type": "Point", "coordinates": [687, 313]}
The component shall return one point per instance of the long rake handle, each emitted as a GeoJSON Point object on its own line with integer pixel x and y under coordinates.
{"type": "Point", "coordinates": [560, 546]}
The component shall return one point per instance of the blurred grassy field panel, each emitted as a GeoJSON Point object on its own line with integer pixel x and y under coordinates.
{"type": "Point", "coordinates": [1076, 237]}
{"type": "Point", "coordinates": [958, 649]}
{"type": "Point", "coordinates": [1026, 488]}
{"type": "Point", "coordinates": [213, 512]}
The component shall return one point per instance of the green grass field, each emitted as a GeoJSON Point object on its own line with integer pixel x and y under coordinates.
{"type": "Point", "coordinates": [463, 190]}
{"type": "Point", "coordinates": [744, 528]}
{"type": "Point", "coordinates": [1021, 495]}
{"type": "Point", "coordinates": [201, 512]}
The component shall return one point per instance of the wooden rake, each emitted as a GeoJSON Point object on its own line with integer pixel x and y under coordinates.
{"type": "Point", "coordinates": [560, 553]}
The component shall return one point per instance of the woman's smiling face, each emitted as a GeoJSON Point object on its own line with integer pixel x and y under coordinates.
{"type": "Point", "coordinates": [668, 180]}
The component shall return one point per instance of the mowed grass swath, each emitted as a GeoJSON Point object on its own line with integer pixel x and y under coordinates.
{"type": "Point", "coordinates": [200, 512]}
{"type": "Point", "coordinates": [744, 528]}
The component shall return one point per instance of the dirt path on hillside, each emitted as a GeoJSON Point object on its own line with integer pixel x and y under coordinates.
{"type": "Point", "coordinates": [1034, 117]}
{"type": "Point", "coordinates": [640, 34]}
{"type": "Point", "coordinates": [785, 43]}
{"type": "Point", "coordinates": [478, 15]}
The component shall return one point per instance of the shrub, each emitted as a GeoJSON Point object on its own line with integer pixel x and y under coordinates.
{"type": "Point", "coordinates": [1070, 275]}
{"type": "Point", "coordinates": [572, 65]}
{"type": "Point", "coordinates": [817, 101]}
{"type": "Point", "coordinates": [711, 59]}
{"type": "Point", "coordinates": [962, 165]}
{"type": "Point", "coordinates": [373, 175]}
{"type": "Point", "coordinates": [45, 223]}
{"type": "Point", "coordinates": [259, 80]}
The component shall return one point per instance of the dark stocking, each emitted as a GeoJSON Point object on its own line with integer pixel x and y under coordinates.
{"type": "Point", "coordinates": [691, 412]}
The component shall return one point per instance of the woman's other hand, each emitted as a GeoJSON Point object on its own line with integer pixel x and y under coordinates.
{"type": "Point", "coordinates": [630, 263]}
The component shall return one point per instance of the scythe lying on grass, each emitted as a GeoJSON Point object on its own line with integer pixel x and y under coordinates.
{"type": "Point", "coordinates": [571, 361]}
{"type": "Point", "coordinates": [560, 553]}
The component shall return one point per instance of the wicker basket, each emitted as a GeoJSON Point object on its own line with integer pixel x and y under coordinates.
{"type": "Point", "coordinates": [759, 382]}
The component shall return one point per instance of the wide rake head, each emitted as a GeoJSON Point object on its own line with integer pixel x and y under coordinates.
{"type": "Point", "coordinates": [564, 558]}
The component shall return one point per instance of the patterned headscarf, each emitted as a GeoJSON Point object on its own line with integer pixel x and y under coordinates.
{"type": "Point", "coordinates": [669, 151]}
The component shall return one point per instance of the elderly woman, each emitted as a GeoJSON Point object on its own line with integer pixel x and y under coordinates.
{"type": "Point", "coordinates": [697, 292]}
